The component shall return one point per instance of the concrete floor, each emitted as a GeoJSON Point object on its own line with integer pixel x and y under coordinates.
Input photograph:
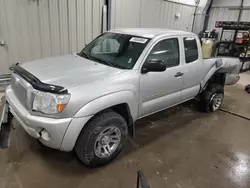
{"type": "Point", "coordinates": [180, 147]}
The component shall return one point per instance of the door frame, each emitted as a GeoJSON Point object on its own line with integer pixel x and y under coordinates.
{"type": "Point", "coordinates": [141, 60]}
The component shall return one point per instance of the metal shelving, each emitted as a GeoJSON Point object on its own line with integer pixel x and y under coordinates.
{"type": "Point", "coordinates": [232, 48]}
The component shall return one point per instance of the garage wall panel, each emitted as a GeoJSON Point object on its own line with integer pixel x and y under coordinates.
{"type": "Point", "coordinates": [35, 35]}
{"type": "Point", "coordinates": [227, 3]}
{"type": "Point", "coordinates": [12, 26]}
{"type": "Point", "coordinates": [150, 20]}
{"type": "Point", "coordinates": [188, 2]}
{"type": "Point", "coordinates": [88, 20]}
{"type": "Point", "coordinates": [245, 17]}
{"type": "Point", "coordinates": [44, 29]}
{"type": "Point", "coordinates": [72, 26]}
{"type": "Point", "coordinates": [246, 3]}
{"type": "Point", "coordinates": [63, 26]}
{"type": "Point", "coordinates": [222, 14]}
{"type": "Point", "coordinates": [80, 24]}
{"type": "Point", "coordinates": [131, 10]}
{"type": "Point", "coordinates": [97, 18]}
{"type": "Point", "coordinates": [3, 32]}
{"type": "Point", "coordinates": [23, 25]}
{"type": "Point", "coordinates": [151, 13]}
{"type": "Point", "coordinates": [35, 29]}
{"type": "Point", "coordinates": [55, 27]}
{"type": "Point", "coordinates": [186, 16]}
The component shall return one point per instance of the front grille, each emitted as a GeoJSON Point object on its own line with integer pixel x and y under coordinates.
{"type": "Point", "coordinates": [19, 90]}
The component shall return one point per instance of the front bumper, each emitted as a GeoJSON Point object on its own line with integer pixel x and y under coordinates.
{"type": "Point", "coordinates": [49, 131]}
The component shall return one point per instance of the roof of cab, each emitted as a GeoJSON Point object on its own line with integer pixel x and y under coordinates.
{"type": "Point", "coordinates": [150, 32]}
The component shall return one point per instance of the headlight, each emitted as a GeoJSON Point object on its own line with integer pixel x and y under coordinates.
{"type": "Point", "coordinates": [49, 103]}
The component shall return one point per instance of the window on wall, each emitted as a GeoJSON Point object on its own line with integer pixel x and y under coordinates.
{"type": "Point", "coordinates": [167, 51]}
{"type": "Point", "coordinates": [191, 49]}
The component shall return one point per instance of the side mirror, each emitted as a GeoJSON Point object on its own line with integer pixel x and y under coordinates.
{"type": "Point", "coordinates": [153, 66]}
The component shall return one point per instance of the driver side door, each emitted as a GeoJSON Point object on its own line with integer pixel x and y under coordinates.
{"type": "Point", "coordinates": [160, 90]}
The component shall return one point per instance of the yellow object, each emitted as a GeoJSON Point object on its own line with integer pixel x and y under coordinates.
{"type": "Point", "coordinates": [207, 48]}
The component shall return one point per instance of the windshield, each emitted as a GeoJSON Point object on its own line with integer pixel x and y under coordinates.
{"type": "Point", "coordinates": [116, 50]}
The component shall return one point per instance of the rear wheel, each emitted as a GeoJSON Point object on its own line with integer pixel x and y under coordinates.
{"type": "Point", "coordinates": [212, 98]}
{"type": "Point", "coordinates": [247, 88]}
{"type": "Point", "coordinates": [102, 139]}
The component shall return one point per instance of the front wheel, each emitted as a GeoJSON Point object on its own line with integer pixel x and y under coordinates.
{"type": "Point", "coordinates": [212, 98]}
{"type": "Point", "coordinates": [102, 139]}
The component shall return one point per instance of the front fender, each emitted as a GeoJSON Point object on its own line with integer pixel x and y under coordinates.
{"type": "Point", "coordinates": [108, 101]}
{"type": "Point", "coordinates": [90, 109]}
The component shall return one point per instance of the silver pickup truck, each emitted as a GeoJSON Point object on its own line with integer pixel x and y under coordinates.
{"type": "Point", "coordinates": [88, 102]}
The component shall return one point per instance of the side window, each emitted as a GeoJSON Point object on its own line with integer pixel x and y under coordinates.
{"type": "Point", "coordinates": [167, 51]}
{"type": "Point", "coordinates": [191, 50]}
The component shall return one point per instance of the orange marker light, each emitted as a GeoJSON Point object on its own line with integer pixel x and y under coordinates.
{"type": "Point", "coordinates": [60, 107]}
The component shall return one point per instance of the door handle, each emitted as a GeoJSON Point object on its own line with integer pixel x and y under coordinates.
{"type": "Point", "coordinates": [179, 74]}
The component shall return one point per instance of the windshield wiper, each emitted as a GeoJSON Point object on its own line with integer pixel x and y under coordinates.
{"type": "Point", "coordinates": [105, 62]}
{"type": "Point", "coordinates": [84, 54]}
{"type": "Point", "coordinates": [109, 63]}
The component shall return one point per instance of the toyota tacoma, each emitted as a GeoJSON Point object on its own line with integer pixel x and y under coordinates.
{"type": "Point", "coordinates": [89, 101]}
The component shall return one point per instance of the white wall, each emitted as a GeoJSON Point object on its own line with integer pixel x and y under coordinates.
{"type": "Point", "coordinates": [246, 3]}
{"type": "Point", "coordinates": [230, 3]}
{"type": "Point", "coordinates": [188, 2]}
{"type": "Point", "coordinates": [226, 3]}
{"type": "Point", "coordinates": [151, 13]}
{"type": "Point", "coordinates": [35, 29]}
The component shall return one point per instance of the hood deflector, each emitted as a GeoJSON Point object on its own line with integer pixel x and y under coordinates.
{"type": "Point", "coordinates": [36, 83]}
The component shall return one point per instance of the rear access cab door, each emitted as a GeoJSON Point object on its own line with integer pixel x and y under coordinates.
{"type": "Point", "coordinates": [193, 67]}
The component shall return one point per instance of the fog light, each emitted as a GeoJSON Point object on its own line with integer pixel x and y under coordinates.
{"type": "Point", "coordinates": [45, 135]}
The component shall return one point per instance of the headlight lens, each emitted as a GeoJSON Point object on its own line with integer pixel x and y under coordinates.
{"type": "Point", "coordinates": [49, 103]}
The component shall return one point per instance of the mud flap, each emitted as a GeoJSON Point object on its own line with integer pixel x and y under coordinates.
{"type": "Point", "coordinates": [5, 126]}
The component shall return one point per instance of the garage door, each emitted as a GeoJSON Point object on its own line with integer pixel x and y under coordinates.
{"type": "Point", "coordinates": [33, 29]}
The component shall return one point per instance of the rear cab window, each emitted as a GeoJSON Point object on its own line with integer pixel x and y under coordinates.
{"type": "Point", "coordinates": [191, 49]}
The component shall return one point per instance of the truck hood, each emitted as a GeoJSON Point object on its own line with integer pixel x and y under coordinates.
{"type": "Point", "coordinates": [69, 70]}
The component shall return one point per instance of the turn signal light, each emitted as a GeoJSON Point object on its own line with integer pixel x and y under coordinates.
{"type": "Point", "coordinates": [60, 107]}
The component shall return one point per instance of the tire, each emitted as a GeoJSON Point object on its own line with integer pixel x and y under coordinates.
{"type": "Point", "coordinates": [94, 134]}
{"type": "Point", "coordinates": [212, 98]}
{"type": "Point", "coordinates": [247, 88]}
